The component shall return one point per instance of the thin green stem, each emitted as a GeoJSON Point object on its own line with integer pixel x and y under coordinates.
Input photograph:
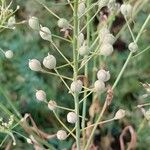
{"type": "Point", "coordinates": [133, 38]}
{"type": "Point", "coordinates": [86, 76]}
{"type": "Point", "coordinates": [59, 51]}
{"type": "Point", "coordinates": [140, 53]}
{"type": "Point", "coordinates": [130, 54]}
{"type": "Point", "coordinates": [75, 69]}
{"type": "Point", "coordinates": [89, 21]}
{"type": "Point", "coordinates": [122, 70]}
{"type": "Point", "coordinates": [55, 74]}
{"type": "Point", "coordinates": [62, 80]}
{"type": "Point", "coordinates": [95, 126]}
{"type": "Point", "coordinates": [10, 102]}
{"type": "Point", "coordinates": [143, 26]}
{"type": "Point", "coordinates": [63, 124]}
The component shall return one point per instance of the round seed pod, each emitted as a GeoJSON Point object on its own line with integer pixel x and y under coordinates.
{"type": "Point", "coordinates": [72, 117]}
{"type": "Point", "coordinates": [61, 135]}
{"type": "Point", "coordinates": [40, 95]}
{"type": "Point", "coordinates": [11, 22]}
{"type": "Point", "coordinates": [103, 31]}
{"type": "Point", "coordinates": [83, 50]}
{"type": "Point", "coordinates": [29, 141]}
{"type": "Point", "coordinates": [133, 47]}
{"type": "Point", "coordinates": [34, 23]}
{"type": "Point", "coordinates": [106, 49]}
{"type": "Point", "coordinates": [9, 54]}
{"type": "Point", "coordinates": [63, 23]}
{"type": "Point", "coordinates": [108, 38]}
{"type": "Point", "coordinates": [126, 9]}
{"type": "Point", "coordinates": [76, 86]}
{"type": "Point", "coordinates": [147, 114]}
{"type": "Point", "coordinates": [45, 34]}
{"type": "Point", "coordinates": [103, 75]}
{"type": "Point", "coordinates": [80, 39]}
{"type": "Point", "coordinates": [52, 105]}
{"type": "Point", "coordinates": [35, 65]}
{"type": "Point", "coordinates": [99, 86]}
{"type": "Point", "coordinates": [49, 62]}
{"type": "Point", "coordinates": [120, 114]}
{"type": "Point", "coordinates": [81, 9]}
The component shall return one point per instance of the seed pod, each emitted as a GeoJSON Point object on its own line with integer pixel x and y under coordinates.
{"type": "Point", "coordinates": [102, 3]}
{"type": "Point", "coordinates": [147, 114]}
{"type": "Point", "coordinates": [45, 34]}
{"type": "Point", "coordinates": [99, 86]}
{"type": "Point", "coordinates": [133, 47]}
{"type": "Point", "coordinates": [111, 5]}
{"type": "Point", "coordinates": [126, 9]}
{"type": "Point", "coordinates": [61, 135]}
{"type": "Point", "coordinates": [34, 23]}
{"type": "Point", "coordinates": [35, 65]}
{"type": "Point", "coordinates": [120, 114]}
{"type": "Point", "coordinates": [106, 49]}
{"type": "Point", "coordinates": [80, 39]}
{"type": "Point", "coordinates": [81, 9]}
{"type": "Point", "coordinates": [76, 86]}
{"type": "Point", "coordinates": [108, 38]}
{"type": "Point", "coordinates": [52, 105]}
{"type": "Point", "coordinates": [9, 54]}
{"type": "Point", "coordinates": [103, 32]}
{"type": "Point", "coordinates": [49, 62]}
{"type": "Point", "coordinates": [72, 117]}
{"type": "Point", "coordinates": [40, 95]}
{"type": "Point", "coordinates": [103, 75]}
{"type": "Point", "coordinates": [29, 140]}
{"type": "Point", "coordinates": [83, 50]}
{"type": "Point", "coordinates": [11, 22]}
{"type": "Point", "coordinates": [63, 23]}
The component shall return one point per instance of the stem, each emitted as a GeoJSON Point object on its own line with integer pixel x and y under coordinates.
{"type": "Point", "coordinates": [130, 54]}
{"type": "Point", "coordinates": [10, 102]}
{"type": "Point", "coordinates": [62, 80]}
{"type": "Point", "coordinates": [63, 124]}
{"type": "Point", "coordinates": [59, 51]}
{"type": "Point", "coordinates": [95, 125]}
{"type": "Point", "coordinates": [122, 70]}
{"type": "Point", "coordinates": [75, 69]}
{"type": "Point", "coordinates": [86, 76]}
{"type": "Point", "coordinates": [102, 122]}
{"type": "Point", "coordinates": [143, 51]}
{"type": "Point", "coordinates": [55, 74]}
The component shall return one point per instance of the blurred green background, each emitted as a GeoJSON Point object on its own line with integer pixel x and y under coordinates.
{"type": "Point", "coordinates": [20, 83]}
